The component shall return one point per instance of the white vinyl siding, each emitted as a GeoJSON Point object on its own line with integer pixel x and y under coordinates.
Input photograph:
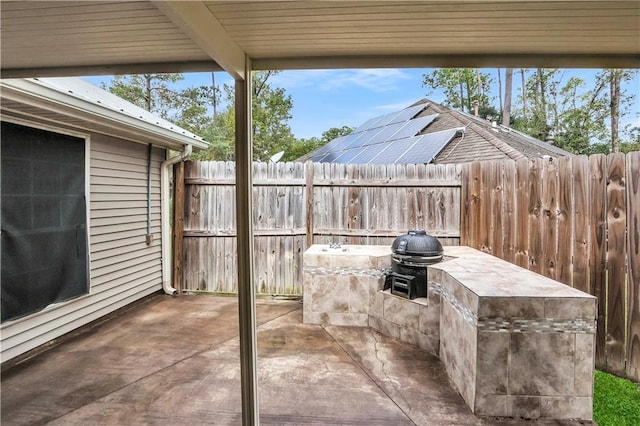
{"type": "Point", "coordinates": [123, 268]}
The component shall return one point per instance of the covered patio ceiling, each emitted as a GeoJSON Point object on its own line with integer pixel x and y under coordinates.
{"type": "Point", "coordinates": [64, 38]}
{"type": "Point", "coordinates": [107, 37]}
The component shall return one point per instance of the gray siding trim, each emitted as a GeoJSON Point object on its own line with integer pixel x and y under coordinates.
{"type": "Point", "coordinates": [123, 268]}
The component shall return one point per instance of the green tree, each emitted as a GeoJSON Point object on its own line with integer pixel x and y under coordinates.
{"type": "Point", "coordinates": [619, 100]}
{"type": "Point", "coordinates": [158, 93]}
{"type": "Point", "coordinates": [506, 110]}
{"type": "Point", "coordinates": [271, 110]}
{"type": "Point", "coordinates": [632, 143]}
{"type": "Point", "coordinates": [539, 96]}
{"type": "Point", "coordinates": [462, 86]}
{"type": "Point", "coordinates": [301, 147]}
{"type": "Point", "coordinates": [582, 119]}
{"type": "Point", "coordinates": [335, 132]}
{"type": "Point", "coordinates": [148, 91]}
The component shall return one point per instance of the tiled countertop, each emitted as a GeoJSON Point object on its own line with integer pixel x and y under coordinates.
{"type": "Point", "coordinates": [489, 276]}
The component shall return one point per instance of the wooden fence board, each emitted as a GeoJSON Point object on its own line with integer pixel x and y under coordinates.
{"type": "Point", "coordinates": [510, 219]}
{"type": "Point", "coordinates": [633, 261]}
{"type": "Point", "coordinates": [598, 248]}
{"type": "Point", "coordinates": [582, 225]}
{"type": "Point", "coordinates": [616, 262]}
{"type": "Point", "coordinates": [309, 201]}
{"type": "Point", "coordinates": [522, 213]}
{"type": "Point", "coordinates": [474, 205]}
{"type": "Point", "coordinates": [465, 201]}
{"type": "Point", "coordinates": [549, 218]}
{"type": "Point", "coordinates": [485, 207]}
{"type": "Point", "coordinates": [496, 219]}
{"type": "Point", "coordinates": [535, 217]}
{"type": "Point", "coordinates": [565, 235]}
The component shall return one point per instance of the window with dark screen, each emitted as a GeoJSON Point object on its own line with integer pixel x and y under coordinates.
{"type": "Point", "coordinates": [44, 219]}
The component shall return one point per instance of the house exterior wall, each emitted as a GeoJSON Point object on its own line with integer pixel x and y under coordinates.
{"type": "Point", "coordinates": [123, 268]}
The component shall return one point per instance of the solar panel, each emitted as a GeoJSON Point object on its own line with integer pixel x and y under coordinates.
{"type": "Point", "coordinates": [342, 143]}
{"type": "Point", "coordinates": [376, 136]}
{"type": "Point", "coordinates": [330, 157]}
{"type": "Point", "coordinates": [389, 118]}
{"type": "Point", "coordinates": [394, 150]}
{"type": "Point", "coordinates": [366, 125]}
{"type": "Point", "coordinates": [394, 117]}
{"type": "Point", "coordinates": [318, 158]}
{"type": "Point", "coordinates": [368, 153]}
{"type": "Point", "coordinates": [426, 149]}
{"type": "Point", "coordinates": [357, 140]}
{"type": "Point", "coordinates": [367, 136]}
{"type": "Point", "coordinates": [408, 113]}
{"type": "Point", "coordinates": [347, 156]}
{"type": "Point", "coordinates": [372, 124]}
{"type": "Point", "coordinates": [385, 133]}
{"type": "Point", "coordinates": [328, 147]}
{"type": "Point", "coordinates": [415, 126]}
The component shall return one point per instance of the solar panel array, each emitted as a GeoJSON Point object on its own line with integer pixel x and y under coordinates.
{"type": "Point", "coordinates": [388, 139]}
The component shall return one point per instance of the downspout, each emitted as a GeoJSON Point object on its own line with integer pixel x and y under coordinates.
{"type": "Point", "coordinates": [164, 216]}
{"type": "Point", "coordinates": [149, 236]}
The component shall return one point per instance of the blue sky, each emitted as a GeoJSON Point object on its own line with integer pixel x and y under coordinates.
{"type": "Point", "coordinates": [333, 98]}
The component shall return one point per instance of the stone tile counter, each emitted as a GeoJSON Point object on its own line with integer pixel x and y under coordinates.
{"type": "Point", "coordinates": [514, 343]}
{"type": "Point", "coordinates": [338, 282]}
{"type": "Point", "coordinates": [518, 344]}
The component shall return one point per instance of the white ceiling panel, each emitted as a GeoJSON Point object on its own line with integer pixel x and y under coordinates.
{"type": "Point", "coordinates": [43, 37]}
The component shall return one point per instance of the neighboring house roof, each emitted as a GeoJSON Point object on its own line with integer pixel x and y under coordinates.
{"type": "Point", "coordinates": [75, 103]}
{"type": "Point", "coordinates": [427, 132]}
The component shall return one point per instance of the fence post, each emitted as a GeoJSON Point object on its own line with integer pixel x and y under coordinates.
{"type": "Point", "coordinates": [308, 175]}
{"type": "Point", "coordinates": [178, 225]}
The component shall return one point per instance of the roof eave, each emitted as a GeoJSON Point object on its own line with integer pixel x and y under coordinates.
{"type": "Point", "coordinates": [31, 93]}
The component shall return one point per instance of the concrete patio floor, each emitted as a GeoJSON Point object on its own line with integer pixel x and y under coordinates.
{"type": "Point", "coordinates": [175, 361]}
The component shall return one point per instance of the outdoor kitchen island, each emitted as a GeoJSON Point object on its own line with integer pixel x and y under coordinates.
{"type": "Point", "coordinates": [514, 343]}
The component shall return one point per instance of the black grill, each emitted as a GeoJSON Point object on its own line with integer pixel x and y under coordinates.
{"type": "Point", "coordinates": [412, 253]}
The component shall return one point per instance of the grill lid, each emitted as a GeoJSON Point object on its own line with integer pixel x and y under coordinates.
{"type": "Point", "coordinates": [417, 243]}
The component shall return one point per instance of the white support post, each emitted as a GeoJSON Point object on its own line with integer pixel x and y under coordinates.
{"type": "Point", "coordinates": [244, 226]}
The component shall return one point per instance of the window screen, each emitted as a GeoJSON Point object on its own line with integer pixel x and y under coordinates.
{"type": "Point", "coordinates": [44, 220]}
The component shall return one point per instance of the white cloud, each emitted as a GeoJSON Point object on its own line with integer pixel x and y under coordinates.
{"type": "Point", "coordinates": [375, 80]}
{"type": "Point", "coordinates": [307, 78]}
{"type": "Point", "coordinates": [395, 106]}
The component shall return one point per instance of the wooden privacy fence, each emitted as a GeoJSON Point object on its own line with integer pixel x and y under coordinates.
{"type": "Point", "coordinates": [296, 205]}
{"type": "Point", "coordinates": [576, 220]}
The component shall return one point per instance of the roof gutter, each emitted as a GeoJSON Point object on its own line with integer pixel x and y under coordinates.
{"type": "Point", "coordinates": [164, 216]}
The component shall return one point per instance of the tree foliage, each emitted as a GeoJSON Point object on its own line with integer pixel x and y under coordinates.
{"type": "Point", "coordinates": [335, 132]}
{"type": "Point", "coordinates": [462, 86]}
{"type": "Point", "coordinates": [158, 93]}
{"type": "Point", "coordinates": [271, 111]}
{"type": "Point", "coordinates": [577, 117]}
{"type": "Point", "coordinates": [191, 108]}
{"type": "Point", "coordinates": [551, 105]}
